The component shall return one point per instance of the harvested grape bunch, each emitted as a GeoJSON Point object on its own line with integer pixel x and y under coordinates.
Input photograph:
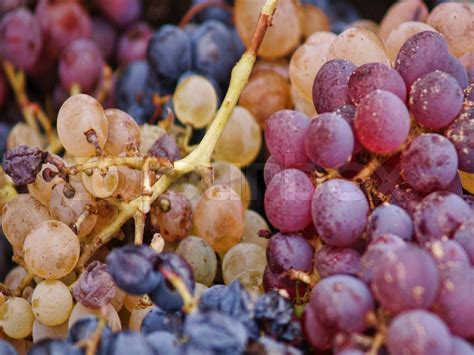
{"type": "Point", "coordinates": [236, 177]}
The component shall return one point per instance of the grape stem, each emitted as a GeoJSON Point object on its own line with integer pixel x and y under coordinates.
{"type": "Point", "coordinates": [196, 9]}
{"type": "Point", "coordinates": [189, 302]}
{"type": "Point", "coordinates": [27, 279]}
{"type": "Point", "coordinates": [200, 158]}
{"type": "Point", "coordinates": [368, 170]}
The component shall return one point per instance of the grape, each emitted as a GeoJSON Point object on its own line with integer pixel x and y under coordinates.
{"type": "Point", "coordinates": [51, 302]}
{"type": "Point", "coordinates": [454, 21]}
{"type": "Point", "coordinates": [201, 257]}
{"type": "Point", "coordinates": [407, 279]}
{"type": "Point", "coordinates": [400, 34]}
{"type": "Point", "coordinates": [130, 184]}
{"type": "Point", "coordinates": [461, 347]}
{"type": "Point", "coordinates": [382, 122]}
{"type": "Point", "coordinates": [286, 29]}
{"type": "Point", "coordinates": [288, 200]}
{"type": "Point", "coordinates": [448, 253]}
{"type": "Point", "coordinates": [272, 281]}
{"type": "Point", "coordinates": [165, 147]}
{"type": "Point", "coordinates": [317, 334]}
{"type": "Point", "coordinates": [22, 134]}
{"type": "Point", "coordinates": [137, 316]}
{"type": "Point", "coordinates": [149, 135]}
{"type": "Point", "coordinates": [254, 223]}
{"type": "Point", "coordinates": [241, 139]}
{"type": "Point", "coordinates": [272, 167]}
{"type": "Point", "coordinates": [41, 331]}
{"type": "Point", "coordinates": [348, 112]}
{"type": "Point", "coordinates": [243, 258]}
{"type": "Point", "coordinates": [195, 101]}
{"type": "Point", "coordinates": [101, 185]}
{"type": "Point", "coordinates": [78, 115]}
{"type": "Point", "coordinates": [300, 104]}
{"type": "Point", "coordinates": [109, 313]}
{"type": "Point", "coordinates": [401, 12]}
{"type": "Point", "coordinates": [439, 215]}
{"type": "Point", "coordinates": [192, 193]}
{"type": "Point", "coordinates": [16, 318]}
{"type": "Point", "coordinates": [463, 236]}
{"type": "Point", "coordinates": [19, 216]}
{"type": "Point", "coordinates": [105, 35]}
{"type": "Point", "coordinates": [51, 250]}
{"type": "Point", "coordinates": [14, 277]}
{"type": "Point", "coordinates": [468, 61]}
{"type": "Point", "coordinates": [123, 132]}
{"type": "Point", "coordinates": [129, 88]}
{"type": "Point", "coordinates": [284, 137]}
{"type": "Point", "coordinates": [266, 92]}
{"type": "Point", "coordinates": [330, 261]}
{"type": "Point", "coordinates": [134, 43]}
{"type": "Point", "coordinates": [287, 252]}
{"type": "Point", "coordinates": [456, 70]}
{"type": "Point", "coordinates": [20, 38]}
{"type": "Point", "coordinates": [359, 46]}
{"type": "Point", "coordinates": [121, 12]}
{"type": "Point", "coordinates": [330, 87]}
{"type": "Point", "coordinates": [429, 163]}
{"type": "Point", "coordinates": [219, 218]}
{"type": "Point", "coordinates": [421, 54]}
{"type": "Point", "coordinates": [419, 332]}
{"type": "Point", "coordinates": [329, 141]}
{"type": "Point", "coordinates": [322, 37]}
{"type": "Point", "coordinates": [230, 175]}
{"type": "Point", "coordinates": [375, 76]}
{"type": "Point", "coordinates": [41, 189]}
{"type": "Point", "coordinates": [339, 210]}
{"type": "Point", "coordinates": [342, 302]}
{"type": "Point", "coordinates": [461, 134]}
{"type": "Point", "coordinates": [390, 219]}
{"type": "Point", "coordinates": [313, 20]}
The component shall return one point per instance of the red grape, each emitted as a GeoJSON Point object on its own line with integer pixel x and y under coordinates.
{"type": "Point", "coordinates": [316, 333]}
{"type": "Point", "coordinates": [273, 281]}
{"type": "Point", "coordinates": [390, 219]}
{"type": "Point", "coordinates": [331, 261]}
{"type": "Point", "coordinates": [348, 112]}
{"type": "Point", "coordinates": [457, 70]}
{"type": "Point", "coordinates": [271, 168]}
{"type": "Point", "coordinates": [406, 197]}
{"type": "Point", "coordinates": [461, 347]}
{"type": "Point", "coordinates": [121, 12]}
{"type": "Point", "coordinates": [289, 252]}
{"type": "Point", "coordinates": [464, 236]}
{"type": "Point", "coordinates": [134, 43]}
{"type": "Point", "coordinates": [461, 133]}
{"type": "Point", "coordinates": [104, 34]}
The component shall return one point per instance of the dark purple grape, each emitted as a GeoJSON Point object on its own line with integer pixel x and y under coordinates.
{"type": "Point", "coordinates": [456, 186]}
{"type": "Point", "coordinates": [127, 342]}
{"type": "Point", "coordinates": [271, 168]}
{"type": "Point", "coordinates": [457, 70]}
{"type": "Point", "coordinates": [448, 253]}
{"type": "Point", "coordinates": [390, 219]}
{"type": "Point", "coordinates": [54, 346]}
{"type": "Point", "coordinates": [342, 302]}
{"type": "Point", "coordinates": [134, 43]}
{"type": "Point", "coordinates": [436, 99]}
{"type": "Point", "coordinates": [318, 335]}
{"type": "Point", "coordinates": [376, 253]}
{"type": "Point", "coordinates": [461, 134]}
{"type": "Point", "coordinates": [461, 347]}
{"type": "Point", "coordinates": [429, 163]}
{"type": "Point", "coordinates": [330, 87]}
{"type": "Point", "coordinates": [159, 320]}
{"type": "Point", "coordinates": [421, 54]}
{"type": "Point", "coordinates": [273, 281]}
{"type": "Point", "coordinates": [284, 136]}
{"type": "Point", "coordinates": [464, 235]}
{"type": "Point", "coordinates": [407, 278]}
{"type": "Point", "coordinates": [130, 86]}
{"type": "Point", "coordinates": [23, 163]}
{"type": "Point", "coordinates": [382, 122]}
{"type": "Point", "coordinates": [121, 12]}
{"type": "Point", "coordinates": [104, 34]}
{"type": "Point", "coordinates": [331, 261]}
{"type": "Point", "coordinates": [214, 13]}
{"type": "Point", "coordinates": [81, 63]}
{"type": "Point", "coordinates": [439, 215]}
{"type": "Point", "coordinates": [339, 210]}
{"type": "Point", "coordinates": [287, 252]}
{"type": "Point", "coordinates": [406, 197]}
{"type": "Point", "coordinates": [375, 76]}
{"type": "Point", "coordinates": [419, 332]}
{"type": "Point", "coordinates": [20, 38]}
{"type": "Point", "coordinates": [329, 141]}
{"type": "Point", "coordinates": [211, 297]}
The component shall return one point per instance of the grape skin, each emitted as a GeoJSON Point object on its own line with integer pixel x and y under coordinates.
{"type": "Point", "coordinates": [401, 12]}
{"type": "Point", "coordinates": [123, 132]}
{"type": "Point", "coordinates": [254, 223]}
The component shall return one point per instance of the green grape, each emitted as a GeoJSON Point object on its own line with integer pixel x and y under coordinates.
{"type": "Point", "coordinates": [243, 257]}
{"type": "Point", "coordinates": [51, 302]}
{"type": "Point", "coordinates": [16, 318]}
{"type": "Point", "coordinates": [254, 223]}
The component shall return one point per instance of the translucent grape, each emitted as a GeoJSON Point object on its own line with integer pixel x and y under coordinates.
{"type": "Point", "coordinates": [330, 87]}
{"type": "Point", "coordinates": [288, 200]}
{"type": "Point", "coordinates": [382, 122]}
{"type": "Point", "coordinates": [277, 66]}
{"type": "Point", "coordinates": [461, 134]}
{"type": "Point", "coordinates": [421, 331]}
{"type": "Point", "coordinates": [189, 190]}
{"type": "Point", "coordinates": [448, 254]}
{"type": "Point", "coordinates": [101, 185]}
{"type": "Point", "coordinates": [463, 236]}
{"type": "Point", "coordinates": [124, 132]}
{"type": "Point", "coordinates": [339, 210]}
{"type": "Point", "coordinates": [407, 279]}
{"type": "Point", "coordinates": [111, 316]}
{"type": "Point", "coordinates": [241, 139]}
{"type": "Point", "coordinates": [321, 37]}
{"type": "Point", "coordinates": [271, 168]}
{"type": "Point", "coordinates": [287, 252]}
{"type": "Point", "coordinates": [316, 333]}
{"type": "Point", "coordinates": [51, 250]}
{"type": "Point", "coordinates": [228, 174]}
{"type": "Point", "coordinates": [51, 302]}
{"type": "Point", "coordinates": [201, 257]}
{"type": "Point", "coordinates": [195, 101]}
{"type": "Point", "coordinates": [14, 277]}
{"type": "Point", "coordinates": [329, 141]}
{"type": "Point", "coordinates": [401, 12]}
{"type": "Point", "coordinates": [22, 134]}
{"type": "Point", "coordinates": [16, 318]}
{"type": "Point", "coordinates": [149, 135]}
{"type": "Point", "coordinates": [254, 223]}
{"type": "Point", "coordinates": [331, 261]}
{"type": "Point", "coordinates": [390, 219]}
{"type": "Point", "coordinates": [439, 215]}
{"type": "Point", "coordinates": [284, 137]}
{"type": "Point", "coordinates": [429, 163]}
{"type": "Point", "coordinates": [367, 24]}
{"type": "Point", "coordinates": [372, 76]}
{"type": "Point", "coordinates": [313, 20]}
{"type": "Point", "coordinates": [41, 189]}
{"type": "Point", "coordinates": [78, 115]}
{"type": "Point", "coordinates": [41, 331]}
{"type": "Point", "coordinates": [243, 258]}
{"type": "Point", "coordinates": [219, 218]}
{"type": "Point", "coordinates": [130, 184]}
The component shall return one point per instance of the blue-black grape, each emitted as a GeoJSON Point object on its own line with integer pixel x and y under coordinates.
{"type": "Point", "coordinates": [159, 320]}
{"type": "Point", "coordinates": [53, 346]}
{"type": "Point", "coordinates": [6, 348]}
{"type": "Point", "coordinates": [211, 297]}
{"type": "Point", "coordinates": [84, 327]}
{"type": "Point", "coordinates": [127, 342]}
{"type": "Point", "coordinates": [213, 13]}
{"type": "Point", "coordinates": [130, 85]}
{"type": "Point", "coordinates": [4, 131]}
{"type": "Point", "coordinates": [164, 343]}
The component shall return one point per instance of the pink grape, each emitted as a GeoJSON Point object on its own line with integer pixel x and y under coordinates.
{"type": "Point", "coordinates": [390, 219]}
{"type": "Point", "coordinates": [382, 122]}
{"type": "Point", "coordinates": [464, 236]}
{"type": "Point", "coordinates": [271, 168]}
{"type": "Point", "coordinates": [121, 12]}
{"type": "Point", "coordinates": [331, 261]}
{"type": "Point", "coordinates": [461, 347]}
{"type": "Point", "coordinates": [461, 133]}
{"type": "Point", "coordinates": [348, 113]}
{"type": "Point", "coordinates": [315, 332]}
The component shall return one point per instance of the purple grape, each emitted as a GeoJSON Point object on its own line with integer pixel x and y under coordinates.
{"type": "Point", "coordinates": [407, 278]}
{"type": "Point", "coordinates": [457, 70]}
{"type": "Point", "coordinates": [330, 87]}
{"type": "Point", "coordinates": [382, 122]}
{"type": "Point", "coordinates": [376, 253]}
{"type": "Point", "coordinates": [418, 332]}
{"type": "Point", "coordinates": [342, 302]}
{"type": "Point", "coordinates": [273, 281]}
{"type": "Point", "coordinates": [375, 76]}
{"type": "Point", "coordinates": [436, 99]}
{"type": "Point", "coordinates": [330, 261]}
{"type": "Point", "coordinates": [284, 136]}
{"type": "Point", "coordinates": [121, 12]}
{"type": "Point", "coordinates": [421, 54]}
{"type": "Point", "coordinates": [339, 210]}
{"type": "Point", "coordinates": [318, 335]}
{"type": "Point", "coordinates": [20, 38]}
{"type": "Point", "coordinates": [461, 134]}
{"type": "Point", "coordinates": [406, 197]}
{"type": "Point", "coordinates": [134, 43]}
{"type": "Point", "coordinates": [329, 141]}
{"type": "Point", "coordinates": [104, 34]}
{"type": "Point", "coordinates": [455, 186]}
{"type": "Point", "coordinates": [271, 168]}
{"type": "Point", "coordinates": [81, 63]}
{"type": "Point", "coordinates": [287, 252]}
{"type": "Point", "coordinates": [390, 219]}
{"type": "Point", "coordinates": [439, 215]}
{"type": "Point", "coordinates": [461, 347]}
{"type": "Point", "coordinates": [454, 302]}
{"type": "Point", "coordinates": [348, 112]}
{"type": "Point", "coordinates": [464, 235]}
{"type": "Point", "coordinates": [448, 253]}
{"type": "Point", "coordinates": [429, 163]}
{"type": "Point", "coordinates": [288, 200]}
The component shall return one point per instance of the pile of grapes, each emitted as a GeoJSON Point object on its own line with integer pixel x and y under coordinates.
{"type": "Point", "coordinates": [165, 190]}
